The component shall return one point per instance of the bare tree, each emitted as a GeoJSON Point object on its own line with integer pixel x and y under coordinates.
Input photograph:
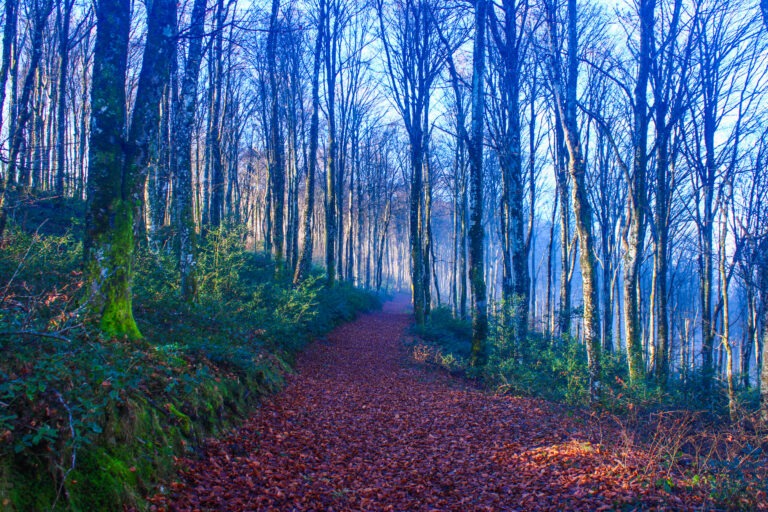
{"type": "Point", "coordinates": [476, 229]}
{"type": "Point", "coordinates": [565, 99]}
{"type": "Point", "coordinates": [305, 262]}
{"type": "Point", "coordinates": [183, 122]}
{"type": "Point", "coordinates": [61, 115]}
{"type": "Point", "coordinates": [510, 39]}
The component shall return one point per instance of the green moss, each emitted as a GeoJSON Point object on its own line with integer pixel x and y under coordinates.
{"type": "Point", "coordinates": [183, 419]}
{"type": "Point", "coordinates": [102, 481]}
{"type": "Point", "coordinates": [110, 271]}
{"type": "Point", "coordinates": [25, 484]}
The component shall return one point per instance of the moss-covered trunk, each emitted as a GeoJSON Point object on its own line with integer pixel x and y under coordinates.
{"type": "Point", "coordinates": [109, 216]}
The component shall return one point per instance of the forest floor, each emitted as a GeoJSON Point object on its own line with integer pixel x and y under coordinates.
{"type": "Point", "coordinates": [361, 426]}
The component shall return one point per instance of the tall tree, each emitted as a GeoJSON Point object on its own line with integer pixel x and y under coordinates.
{"type": "Point", "coordinates": [669, 84]}
{"type": "Point", "coordinates": [215, 165]}
{"type": "Point", "coordinates": [509, 39]}
{"type": "Point", "coordinates": [118, 164]}
{"type": "Point", "coordinates": [633, 234]}
{"type": "Point", "coordinates": [142, 149]}
{"type": "Point", "coordinates": [109, 216]}
{"type": "Point", "coordinates": [9, 39]}
{"type": "Point", "coordinates": [476, 231]}
{"type": "Point", "coordinates": [335, 22]}
{"type": "Point", "coordinates": [61, 114]}
{"type": "Point", "coordinates": [184, 120]}
{"type": "Point", "coordinates": [276, 148]}
{"type": "Point", "coordinates": [763, 282]}
{"type": "Point", "coordinates": [565, 99]}
{"type": "Point", "coordinates": [305, 262]}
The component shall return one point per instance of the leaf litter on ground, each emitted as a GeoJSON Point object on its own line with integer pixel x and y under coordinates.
{"type": "Point", "coordinates": [359, 428]}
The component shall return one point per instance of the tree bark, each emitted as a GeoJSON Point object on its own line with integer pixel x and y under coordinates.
{"type": "Point", "coordinates": [213, 145]}
{"type": "Point", "coordinates": [634, 233]}
{"type": "Point", "coordinates": [565, 98]}
{"type": "Point", "coordinates": [763, 273]}
{"type": "Point", "coordinates": [515, 278]}
{"type": "Point", "coordinates": [61, 116]}
{"type": "Point", "coordinates": [276, 150]}
{"type": "Point", "coordinates": [476, 232]}
{"type": "Point", "coordinates": [331, 192]}
{"type": "Point", "coordinates": [109, 217]}
{"type": "Point", "coordinates": [305, 262]}
{"type": "Point", "coordinates": [142, 149]}
{"type": "Point", "coordinates": [184, 121]}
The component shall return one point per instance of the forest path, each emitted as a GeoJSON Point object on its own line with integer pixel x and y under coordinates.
{"type": "Point", "coordinates": [358, 427]}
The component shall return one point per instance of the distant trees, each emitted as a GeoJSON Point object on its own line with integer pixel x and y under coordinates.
{"type": "Point", "coordinates": [414, 57]}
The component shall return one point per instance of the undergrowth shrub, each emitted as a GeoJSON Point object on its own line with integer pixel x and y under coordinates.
{"type": "Point", "coordinates": [89, 423]}
{"type": "Point", "coordinates": [443, 341]}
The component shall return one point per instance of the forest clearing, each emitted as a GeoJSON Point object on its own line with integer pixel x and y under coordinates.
{"type": "Point", "coordinates": [569, 194]}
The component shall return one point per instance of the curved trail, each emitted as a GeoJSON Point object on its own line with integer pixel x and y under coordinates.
{"type": "Point", "coordinates": [360, 428]}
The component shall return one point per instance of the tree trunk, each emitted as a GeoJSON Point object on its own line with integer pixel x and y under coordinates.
{"type": "Point", "coordinates": [415, 215]}
{"type": "Point", "coordinates": [305, 263]}
{"type": "Point", "coordinates": [476, 233]}
{"type": "Point", "coordinates": [215, 167]}
{"type": "Point", "coordinates": [726, 337]}
{"type": "Point", "coordinates": [9, 38]}
{"type": "Point", "coordinates": [565, 97]}
{"type": "Point", "coordinates": [61, 117]}
{"type": "Point", "coordinates": [561, 176]}
{"type": "Point", "coordinates": [515, 277]}
{"type": "Point", "coordinates": [142, 149]}
{"type": "Point", "coordinates": [634, 233]}
{"type": "Point", "coordinates": [9, 41]}
{"type": "Point", "coordinates": [550, 317]}
{"type": "Point", "coordinates": [749, 335]}
{"type": "Point", "coordinates": [184, 121]}
{"type": "Point", "coordinates": [426, 229]}
{"type": "Point", "coordinates": [661, 221]}
{"type": "Point", "coordinates": [276, 150]}
{"type": "Point", "coordinates": [763, 273]}
{"type": "Point", "coordinates": [331, 193]}
{"type": "Point", "coordinates": [109, 217]}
